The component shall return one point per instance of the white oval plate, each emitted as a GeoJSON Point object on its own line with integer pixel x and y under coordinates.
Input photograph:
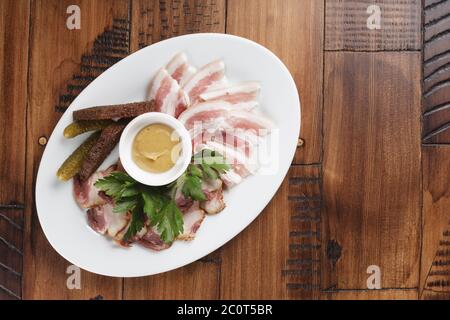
{"type": "Point", "coordinates": [64, 223]}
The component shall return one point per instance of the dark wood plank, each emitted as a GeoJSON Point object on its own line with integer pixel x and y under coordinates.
{"type": "Point", "coordinates": [153, 21]}
{"type": "Point", "coordinates": [11, 253]}
{"type": "Point", "coordinates": [435, 269]}
{"type": "Point", "coordinates": [57, 55]}
{"type": "Point", "coordinates": [436, 73]}
{"type": "Point", "coordinates": [273, 24]}
{"type": "Point", "coordinates": [391, 294]}
{"type": "Point", "coordinates": [253, 261]}
{"type": "Point", "coordinates": [198, 280]}
{"type": "Point", "coordinates": [14, 16]}
{"type": "Point", "coordinates": [346, 25]}
{"type": "Point", "coordinates": [158, 20]}
{"type": "Point", "coordinates": [247, 272]}
{"type": "Point", "coordinates": [14, 23]}
{"type": "Point", "coordinates": [302, 269]}
{"type": "Point", "coordinates": [372, 194]}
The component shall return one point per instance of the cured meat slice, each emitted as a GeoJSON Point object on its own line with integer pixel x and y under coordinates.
{"type": "Point", "coordinates": [215, 202]}
{"type": "Point", "coordinates": [204, 79]}
{"type": "Point", "coordinates": [85, 193]}
{"type": "Point", "coordinates": [192, 219]}
{"type": "Point", "coordinates": [152, 240]}
{"type": "Point", "coordinates": [179, 68]}
{"type": "Point", "coordinates": [231, 178]}
{"type": "Point", "coordinates": [103, 220]}
{"type": "Point", "coordinates": [242, 92]}
{"type": "Point", "coordinates": [213, 111]}
{"type": "Point", "coordinates": [166, 93]}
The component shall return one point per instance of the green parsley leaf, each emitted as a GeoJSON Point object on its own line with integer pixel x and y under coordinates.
{"type": "Point", "coordinates": [136, 224]}
{"type": "Point", "coordinates": [170, 221]}
{"type": "Point", "coordinates": [210, 173]}
{"type": "Point", "coordinates": [192, 188]}
{"type": "Point", "coordinates": [152, 205]}
{"type": "Point", "coordinates": [125, 205]}
{"type": "Point", "coordinates": [110, 185]}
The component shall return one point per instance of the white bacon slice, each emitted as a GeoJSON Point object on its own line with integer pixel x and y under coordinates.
{"type": "Point", "coordinates": [242, 92]}
{"type": "Point", "coordinates": [204, 79]}
{"type": "Point", "coordinates": [192, 219]}
{"type": "Point", "coordinates": [166, 93]}
{"type": "Point", "coordinates": [241, 164]}
{"type": "Point", "coordinates": [180, 69]}
{"type": "Point", "coordinates": [85, 193]}
{"type": "Point", "coordinates": [240, 140]}
{"type": "Point", "coordinates": [103, 220]}
{"type": "Point", "coordinates": [212, 111]}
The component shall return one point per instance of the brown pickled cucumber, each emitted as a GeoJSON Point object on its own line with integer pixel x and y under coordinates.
{"type": "Point", "coordinates": [73, 163]}
{"type": "Point", "coordinates": [78, 127]}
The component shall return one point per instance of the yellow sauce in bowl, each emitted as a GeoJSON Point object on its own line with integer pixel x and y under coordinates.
{"type": "Point", "coordinates": [156, 148]}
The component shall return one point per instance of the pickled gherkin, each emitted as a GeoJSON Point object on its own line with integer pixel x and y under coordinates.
{"type": "Point", "coordinates": [78, 127]}
{"type": "Point", "coordinates": [73, 163]}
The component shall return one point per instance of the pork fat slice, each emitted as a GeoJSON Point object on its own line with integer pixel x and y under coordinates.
{"type": "Point", "coordinates": [166, 93]}
{"type": "Point", "coordinates": [192, 219]}
{"type": "Point", "coordinates": [179, 68]}
{"type": "Point", "coordinates": [204, 79]}
{"type": "Point", "coordinates": [86, 194]}
{"type": "Point", "coordinates": [238, 93]}
{"type": "Point", "coordinates": [103, 220]}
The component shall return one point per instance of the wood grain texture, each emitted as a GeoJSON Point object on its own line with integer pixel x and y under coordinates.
{"type": "Point", "coordinates": [273, 24]}
{"type": "Point", "coordinates": [108, 48]}
{"type": "Point", "coordinates": [435, 269]}
{"type": "Point", "coordinates": [158, 20]}
{"type": "Point", "coordinates": [198, 280]}
{"type": "Point", "coordinates": [56, 56]}
{"type": "Point", "coordinates": [14, 18]}
{"type": "Point", "coordinates": [436, 73]}
{"type": "Point", "coordinates": [14, 23]}
{"type": "Point", "coordinates": [371, 169]}
{"type": "Point", "coordinates": [153, 21]}
{"type": "Point", "coordinates": [247, 271]}
{"type": "Point", "coordinates": [11, 253]}
{"type": "Point", "coordinates": [253, 261]}
{"type": "Point", "coordinates": [346, 25]}
{"type": "Point", "coordinates": [302, 269]}
{"type": "Point", "coordinates": [391, 294]}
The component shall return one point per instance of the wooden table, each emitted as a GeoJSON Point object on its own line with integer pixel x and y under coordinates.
{"type": "Point", "coordinates": [370, 183]}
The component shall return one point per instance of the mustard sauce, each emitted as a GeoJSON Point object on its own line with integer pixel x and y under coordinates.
{"type": "Point", "coordinates": [156, 148]}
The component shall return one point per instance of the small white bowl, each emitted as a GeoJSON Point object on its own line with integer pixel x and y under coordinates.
{"type": "Point", "coordinates": [126, 143]}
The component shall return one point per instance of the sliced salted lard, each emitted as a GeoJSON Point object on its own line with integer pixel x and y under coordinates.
{"type": "Point", "coordinates": [241, 140]}
{"type": "Point", "coordinates": [85, 192]}
{"type": "Point", "coordinates": [204, 79]}
{"type": "Point", "coordinates": [179, 68]}
{"type": "Point", "coordinates": [103, 220]}
{"type": "Point", "coordinates": [240, 163]}
{"type": "Point", "coordinates": [192, 219]}
{"type": "Point", "coordinates": [241, 92]}
{"type": "Point", "coordinates": [212, 111]}
{"type": "Point", "coordinates": [250, 121]}
{"type": "Point", "coordinates": [167, 94]}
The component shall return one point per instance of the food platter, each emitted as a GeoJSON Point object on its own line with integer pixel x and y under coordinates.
{"type": "Point", "coordinates": [64, 223]}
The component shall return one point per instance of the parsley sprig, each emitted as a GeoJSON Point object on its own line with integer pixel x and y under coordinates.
{"type": "Point", "coordinates": [206, 164]}
{"type": "Point", "coordinates": [156, 204]}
